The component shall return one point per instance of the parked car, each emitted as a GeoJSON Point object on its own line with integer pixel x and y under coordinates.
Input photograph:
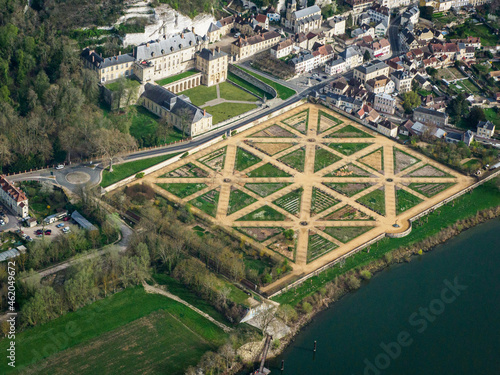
{"type": "Point", "coordinates": [60, 225]}
{"type": "Point", "coordinates": [66, 218]}
{"type": "Point", "coordinates": [315, 75]}
{"type": "Point", "coordinates": [2, 222]}
{"type": "Point", "coordinates": [60, 166]}
{"type": "Point", "coordinates": [237, 35]}
{"type": "Point", "coordinates": [48, 232]}
{"type": "Point", "coordinates": [66, 230]}
{"type": "Point", "coordinates": [38, 231]}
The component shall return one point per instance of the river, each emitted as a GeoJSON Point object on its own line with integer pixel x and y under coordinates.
{"type": "Point", "coordinates": [438, 314]}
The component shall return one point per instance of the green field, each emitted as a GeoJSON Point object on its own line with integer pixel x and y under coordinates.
{"type": "Point", "coordinates": [183, 190]}
{"type": "Point", "coordinates": [464, 30]}
{"type": "Point", "coordinates": [124, 170]}
{"type": "Point", "coordinates": [295, 159]}
{"type": "Point", "coordinates": [348, 148]}
{"type": "Point", "coordinates": [267, 170]}
{"type": "Point", "coordinates": [492, 116]}
{"type": "Point", "coordinates": [264, 189]}
{"type": "Point", "coordinates": [430, 189]}
{"type": "Point", "coordinates": [225, 111]}
{"type": "Point", "coordinates": [483, 197]}
{"type": "Point", "coordinates": [318, 246]}
{"type": "Point", "coordinates": [290, 202]}
{"type": "Point", "coordinates": [283, 91]}
{"type": "Point", "coordinates": [323, 159]}
{"type": "Point", "coordinates": [114, 86]}
{"type": "Point", "coordinates": [144, 125]}
{"type": "Point", "coordinates": [247, 85]}
{"type": "Point", "coordinates": [166, 81]}
{"type": "Point", "coordinates": [144, 333]}
{"type": "Point", "coordinates": [207, 202]}
{"type": "Point", "coordinates": [238, 200]}
{"type": "Point", "coordinates": [244, 159]}
{"type": "Point", "coordinates": [199, 95]}
{"type": "Point", "coordinates": [348, 188]}
{"type": "Point", "coordinates": [374, 200]}
{"type": "Point", "coordinates": [405, 201]}
{"type": "Point", "coordinates": [232, 92]}
{"type": "Point", "coordinates": [349, 131]}
{"type": "Point", "coordinates": [264, 213]}
{"type": "Point", "coordinates": [346, 234]}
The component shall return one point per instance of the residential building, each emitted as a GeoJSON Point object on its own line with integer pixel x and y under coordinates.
{"type": "Point", "coordinates": [423, 82]}
{"type": "Point", "coordinates": [282, 49]}
{"type": "Point", "coordinates": [337, 24]}
{"type": "Point", "coordinates": [379, 13]}
{"type": "Point", "coordinates": [388, 128]}
{"type": "Point", "coordinates": [345, 103]}
{"type": "Point", "coordinates": [408, 40]}
{"type": "Point", "coordinates": [411, 15]}
{"type": "Point", "coordinates": [166, 57]}
{"type": "Point", "coordinates": [381, 48]}
{"type": "Point", "coordinates": [212, 63]}
{"type": "Point", "coordinates": [303, 20]}
{"type": "Point", "coordinates": [219, 29]}
{"type": "Point", "coordinates": [485, 129]}
{"type": "Point", "coordinates": [495, 75]}
{"type": "Point", "coordinates": [263, 21]}
{"type": "Point", "coordinates": [352, 57]}
{"type": "Point", "coordinates": [402, 81]}
{"type": "Point", "coordinates": [359, 6]}
{"type": "Point", "coordinates": [176, 109]}
{"type": "Point", "coordinates": [395, 3]}
{"type": "Point", "coordinates": [430, 116]}
{"type": "Point", "coordinates": [13, 198]}
{"type": "Point", "coordinates": [311, 60]}
{"type": "Point", "coordinates": [335, 67]}
{"type": "Point", "coordinates": [470, 41]}
{"type": "Point", "coordinates": [380, 84]}
{"type": "Point", "coordinates": [110, 68]}
{"type": "Point", "coordinates": [363, 30]}
{"type": "Point", "coordinates": [455, 137]}
{"type": "Point", "coordinates": [371, 70]}
{"type": "Point", "coordinates": [381, 28]}
{"type": "Point", "coordinates": [384, 103]}
{"type": "Point", "coordinates": [249, 46]}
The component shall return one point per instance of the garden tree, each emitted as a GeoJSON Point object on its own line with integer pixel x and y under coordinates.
{"type": "Point", "coordinates": [366, 56]}
{"type": "Point", "coordinates": [211, 363]}
{"type": "Point", "coordinates": [287, 313]}
{"type": "Point", "coordinates": [432, 72]}
{"type": "Point", "coordinates": [476, 114]}
{"type": "Point", "coordinates": [228, 354]}
{"type": "Point", "coordinates": [185, 119]}
{"type": "Point", "coordinates": [170, 252]}
{"type": "Point", "coordinates": [111, 142]}
{"type": "Point", "coordinates": [5, 153]}
{"type": "Point", "coordinates": [163, 129]}
{"type": "Point", "coordinates": [411, 100]}
{"type": "Point", "coordinates": [458, 106]}
{"type": "Point", "coordinates": [289, 233]}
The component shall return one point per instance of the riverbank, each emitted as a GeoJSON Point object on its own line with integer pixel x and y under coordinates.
{"type": "Point", "coordinates": [320, 292]}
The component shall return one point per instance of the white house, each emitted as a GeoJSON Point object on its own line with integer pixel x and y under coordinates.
{"type": "Point", "coordinates": [352, 57]}
{"type": "Point", "coordinates": [13, 198]}
{"type": "Point", "coordinates": [335, 67]}
{"type": "Point", "coordinates": [338, 25]}
{"type": "Point", "coordinates": [384, 103]}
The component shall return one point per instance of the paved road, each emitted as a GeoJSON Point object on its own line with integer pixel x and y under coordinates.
{"type": "Point", "coordinates": [394, 36]}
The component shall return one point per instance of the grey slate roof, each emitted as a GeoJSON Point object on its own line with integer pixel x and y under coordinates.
{"type": "Point", "coordinates": [430, 112]}
{"type": "Point", "coordinates": [211, 54]}
{"type": "Point", "coordinates": [173, 103]}
{"type": "Point", "coordinates": [167, 46]}
{"type": "Point", "coordinates": [371, 67]}
{"type": "Point", "coordinates": [101, 62]}
{"type": "Point", "coordinates": [486, 125]}
{"type": "Point", "coordinates": [306, 11]}
{"type": "Point", "coordinates": [350, 52]}
{"type": "Point", "coordinates": [213, 27]}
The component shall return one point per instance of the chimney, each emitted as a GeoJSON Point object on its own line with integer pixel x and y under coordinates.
{"type": "Point", "coordinates": [147, 44]}
{"type": "Point", "coordinates": [217, 49]}
{"type": "Point", "coordinates": [204, 112]}
{"type": "Point", "coordinates": [192, 29]}
{"type": "Point", "coordinates": [182, 35]}
{"type": "Point", "coordinates": [119, 53]}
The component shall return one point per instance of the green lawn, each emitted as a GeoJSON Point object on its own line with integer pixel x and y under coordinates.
{"type": "Point", "coordinates": [199, 95]}
{"type": "Point", "coordinates": [124, 170]}
{"type": "Point", "coordinates": [113, 86]}
{"type": "Point", "coordinates": [405, 201]}
{"type": "Point", "coordinates": [244, 159]}
{"type": "Point", "coordinates": [424, 92]}
{"type": "Point", "coordinates": [183, 190]}
{"type": "Point", "coordinates": [144, 125]}
{"type": "Point", "coordinates": [374, 201]}
{"type": "Point", "coordinates": [295, 159]}
{"type": "Point", "coordinates": [346, 234]}
{"type": "Point", "coordinates": [264, 213]}
{"type": "Point", "coordinates": [144, 333]}
{"type": "Point", "coordinates": [224, 111]}
{"type": "Point", "coordinates": [207, 202]}
{"type": "Point", "coordinates": [247, 85]}
{"type": "Point", "coordinates": [238, 200]}
{"type": "Point", "coordinates": [349, 131]}
{"type": "Point", "coordinates": [348, 148]}
{"type": "Point", "coordinates": [483, 197]}
{"type": "Point", "coordinates": [323, 159]}
{"type": "Point", "coordinates": [165, 81]}
{"type": "Point", "coordinates": [283, 91]}
{"type": "Point", "coordinates": [492, 116]}
{"type": "Point", "coordinates": [267, 170]}
{"type": "Point", "coordinates": [231, 92]}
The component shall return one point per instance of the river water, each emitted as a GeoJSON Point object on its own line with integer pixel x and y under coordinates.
{"type": "Point", "coordinates": [438, 314]}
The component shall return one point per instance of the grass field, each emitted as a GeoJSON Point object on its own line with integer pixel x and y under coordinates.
{"type": "Point", "coordinates": [374, 200]}
{"type": "Point", "coordinates": [166, 81]}
{"type": "Point", "coordinates": [349, 131]}
{"type": "Point", "coordinates": [247, 85]}
{"type": "Point", "coordinates": [346, 234]}
{"type": "Point", "coordinates": [323, 159]}
{"type": "Point", "coordinates": [264, 213]}
{"type": "Point", "coordinates": [183, 190]}
{"type": "Point", "coordinates": [124, 170]}
{"type": "Point", "coordinates": [238, 200]}
{"type": "Point", "coordinates": [144, 333]}
{"type": "Point", "coordinates": [244, 159]}
{"type": "Point", "coordinates": [283, 91]}
{"type": "Point", "coordinates": [463, 31]}
{"type": "Point", "coordinates": [267, 170]}
{"type": "Point", "coordinates": [231, 92]}
{"type": "Point", "coordinates": [492, 116]}
{"type": "Point", "coordinates": [405, 201]}
{"type": "Point", "coordinates": [295, 159]}
{"type": "Point", "coordinates": [224, 111]}
{"type": "Point", "coordinates": [199, 95]}
{"type": "Point", "coordinates": [348, 148]}
{"type": "Point", "coordinates": [114, 85]}
{"type": "Point", "coordinates": [264, 189]}
{"type": "Point", "coordinates": [483, 197]}
{"type": "Point", "coordinates": [207, 202]}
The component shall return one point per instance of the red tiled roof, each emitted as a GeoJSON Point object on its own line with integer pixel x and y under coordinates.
{"type": "Point", "coordinates": [15, 193]}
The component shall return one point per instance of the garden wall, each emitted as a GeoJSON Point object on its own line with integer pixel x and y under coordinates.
{"type": "Point", "coordinates": [254, 81]}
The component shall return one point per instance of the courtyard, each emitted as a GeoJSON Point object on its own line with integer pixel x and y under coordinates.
{"type": "Point", "coordinates": [309, 185]}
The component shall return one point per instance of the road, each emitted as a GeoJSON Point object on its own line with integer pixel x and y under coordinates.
{"type": "Point", "coordinates": [394, 36]}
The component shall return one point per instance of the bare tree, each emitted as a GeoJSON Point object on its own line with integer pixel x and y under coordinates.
{"type": "Point", "coordinates": [111, 142]}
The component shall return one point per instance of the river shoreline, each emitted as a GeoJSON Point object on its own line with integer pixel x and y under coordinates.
{"type": "Point", "coordinates": [400, 255]}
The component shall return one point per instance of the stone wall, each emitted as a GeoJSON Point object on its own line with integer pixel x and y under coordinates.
{"type": "Point", "coordinates": [110, 97]}
{"type": "Point", "coordinates": [251, 79]}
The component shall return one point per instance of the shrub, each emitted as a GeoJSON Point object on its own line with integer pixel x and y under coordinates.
{"type": "Point", "coordinates": [139, 175]}
{"type": "Point", "coordinates": [306, 307]}
{"type": "Point", "coordinates": [276, 344]}
{"type": "Point", "coordinates": [184, 155]}
{"type": "Point", "coordinates": [234, 132]}
{"type": "Point", "coordinates": [366, 275]}
{"type": "Point", "coordinates": [388, 258]}
{"type": "Point", "coordinates": [353, 283]}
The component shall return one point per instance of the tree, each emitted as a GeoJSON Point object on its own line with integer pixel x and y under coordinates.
{"type": "Point", "coordinates": [366, 56]}
{"type": "Point", "coordinates": [287, 313]}
{"type": "Point", "coordinates": [185, 119]}
{"type": "Point", "coordinates": [411, 100]}
{"type": "Point", "coordinates": [476, 114]}
{"type": "Point", "coordinates": [427, 12]}
{"type": "Point", "coordinates": [5, 154]}
{"type": "Point", "coordinates": [110, 142]}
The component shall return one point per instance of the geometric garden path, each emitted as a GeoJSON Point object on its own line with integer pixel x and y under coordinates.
{"type": "Point", "coordinates": [341, 185]}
